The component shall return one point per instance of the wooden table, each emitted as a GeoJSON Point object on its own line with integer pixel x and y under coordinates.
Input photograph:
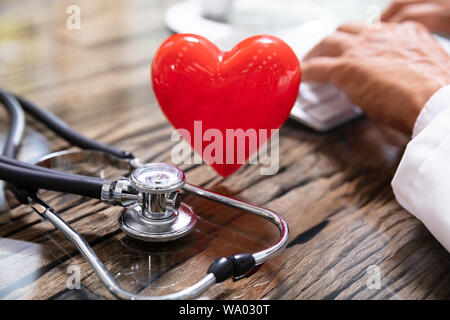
{"type": "Point", "coordinates": [333, 189]}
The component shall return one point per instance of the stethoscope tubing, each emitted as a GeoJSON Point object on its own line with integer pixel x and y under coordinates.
{"type": "Point", "coordinates": [63, 130]}
{"type": "Point", "coordinates": [16, 128]}
{"type": "Point", "coordinates": [33, 179]}
{"type": "Point", "coordinates": [36, 177]}
{"type": "Point", "coordinates": [33, 167]}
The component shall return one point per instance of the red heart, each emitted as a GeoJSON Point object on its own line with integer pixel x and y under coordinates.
{"type": "Point", "coordinates": [252, 86]}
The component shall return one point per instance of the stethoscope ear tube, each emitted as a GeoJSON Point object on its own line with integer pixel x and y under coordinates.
{"type": "Point", "coordinates": [37, 179]}
{"type": "Point", "coordinates": [64, 131]}
{"type": "Point", "coordinates": [16, 124]}
{"type": "Point", "coordinates": [13, 141]}
{"type": "Point", "coordinates": [16, 104]}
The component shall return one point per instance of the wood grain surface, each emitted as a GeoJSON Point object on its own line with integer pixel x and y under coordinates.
{"type": "Point", "coordinates": [333, 189]}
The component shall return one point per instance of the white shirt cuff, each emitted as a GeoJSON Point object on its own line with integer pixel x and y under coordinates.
{"type": "Point", "coordinates": [435, 105]}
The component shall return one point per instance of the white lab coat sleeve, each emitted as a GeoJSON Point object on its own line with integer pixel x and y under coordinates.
{"type": "Point", "coordinates": [422, 182]}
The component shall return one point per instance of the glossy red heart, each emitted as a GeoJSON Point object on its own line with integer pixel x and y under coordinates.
{"type": "Point", "coordinates": [252, 86]}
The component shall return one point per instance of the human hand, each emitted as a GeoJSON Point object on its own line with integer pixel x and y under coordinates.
{"type": "Point", "coordinates": [390, 72]}
{"type": "Point", "coordinates": [434, 14]}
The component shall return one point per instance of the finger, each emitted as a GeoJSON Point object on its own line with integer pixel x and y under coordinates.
{"type": "Point", "coordinates": [319, 69]}
{"type": "Point", "coordinates": [395, 7]}
{"type": "Point", "coordinates": [441, 24]}
{"type": "Point", "coordinates": [332, 46]}
{"type": "Point", "coordinates": [351, 27]}
{"type": "Point", "coordinates": [431, 15]}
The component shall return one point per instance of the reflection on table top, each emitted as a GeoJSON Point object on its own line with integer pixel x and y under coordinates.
{"type": "Point", "coordinates": [333, 189]}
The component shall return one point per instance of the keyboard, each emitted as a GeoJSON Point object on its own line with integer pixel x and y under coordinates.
{"type": "Point", "coordinates": [323, 107]}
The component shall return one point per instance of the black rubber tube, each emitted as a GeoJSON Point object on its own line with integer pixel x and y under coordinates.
{"type": "Point", "coordinates": [25, 178]}
{"type": "Point", "coordinates": [33, 179]}
{"type": "Point", "coordinates": [63, 130]}
{"type": "Point", "coordinates": [14, 138]}
{"type": "Point", "coordinates": [26, 165]}
{"type": "Point", "coordinates": [16, 124]}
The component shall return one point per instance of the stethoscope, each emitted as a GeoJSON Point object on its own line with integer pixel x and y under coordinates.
{"type": "Point", "coordinates": [150, 197]}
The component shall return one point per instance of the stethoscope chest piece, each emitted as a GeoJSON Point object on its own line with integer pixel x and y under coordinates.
{"type": "Point", "coordinates": [158, 215]}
